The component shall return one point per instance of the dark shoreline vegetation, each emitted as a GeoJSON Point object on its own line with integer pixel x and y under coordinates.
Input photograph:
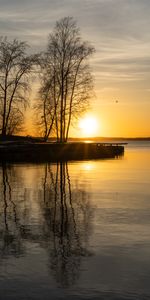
{"type": "Point", "coordinates": [28, 138]}
{"type": "Point", "coordinates": [28, 149]}
{"type": "Point", "coordinates": [35, 149]}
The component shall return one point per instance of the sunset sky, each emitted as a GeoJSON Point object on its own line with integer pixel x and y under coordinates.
{"type": "Point", "coordinates": [120, 32]}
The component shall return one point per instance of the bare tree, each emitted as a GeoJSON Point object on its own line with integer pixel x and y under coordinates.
{"type": "Point", "coordinates": [66, 81]}
{"type": "Point", "coordinates": [15, 67]}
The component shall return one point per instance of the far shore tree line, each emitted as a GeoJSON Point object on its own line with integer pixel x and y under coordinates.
{"type": "Point", "coordinates": [65, 82]}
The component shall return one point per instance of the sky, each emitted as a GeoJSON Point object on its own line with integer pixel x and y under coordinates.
{"type": "Point", "coordinates": [120, 32]}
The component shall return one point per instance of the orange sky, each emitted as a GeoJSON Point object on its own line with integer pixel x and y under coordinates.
{"type": "Point", "coordinates": [122, 112]}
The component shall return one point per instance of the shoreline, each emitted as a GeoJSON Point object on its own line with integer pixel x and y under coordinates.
{"type": "Point", "coordinates": [53, 152]}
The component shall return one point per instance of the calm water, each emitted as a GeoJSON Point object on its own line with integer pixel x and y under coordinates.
{"type": "Point", "coordinates": [78, 230]}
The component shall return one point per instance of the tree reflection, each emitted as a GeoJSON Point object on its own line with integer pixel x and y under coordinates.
{"type": "Point", "coordinates": [67, 216]}
{"type": "Point", "coordinates": [10, 231]}
{"type": "Point", "coordinates": [61, 225]}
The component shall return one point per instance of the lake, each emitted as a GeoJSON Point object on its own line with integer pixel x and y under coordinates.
{"type": "Point", "coordinates": [76, 230]}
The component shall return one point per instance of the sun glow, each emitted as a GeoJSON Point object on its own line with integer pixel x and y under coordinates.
{"type": "Point", "coordinates": [88, 126]}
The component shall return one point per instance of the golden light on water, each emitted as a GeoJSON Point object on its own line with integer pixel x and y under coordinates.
{"type": "Point", "coordinates": [88, 126]}
{"type": "Point", "coordinates": [88, 166]}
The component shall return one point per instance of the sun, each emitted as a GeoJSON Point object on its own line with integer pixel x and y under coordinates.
{"type": "Point", "coordinates": [88, 126]}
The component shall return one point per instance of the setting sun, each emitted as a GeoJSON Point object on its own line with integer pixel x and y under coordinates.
{"type": "Point", "coordinates": [88, 126]}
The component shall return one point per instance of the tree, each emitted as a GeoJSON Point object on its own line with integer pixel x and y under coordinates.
{"type": "Point", "coordinates": [15, 67]}
{"type": "Point", "coordinates": [66, 81]}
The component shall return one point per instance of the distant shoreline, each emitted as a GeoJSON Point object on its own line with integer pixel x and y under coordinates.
{"type": "Point", "coordinates": [103, 139]}
{"type": "Point", "coordinates": [72, 139]}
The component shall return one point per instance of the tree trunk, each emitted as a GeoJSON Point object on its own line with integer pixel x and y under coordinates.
{"type": "Point", "coordinates": [3, 132]}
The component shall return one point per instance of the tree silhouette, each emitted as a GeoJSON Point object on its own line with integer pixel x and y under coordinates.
{"type": "Point", "coordinates": [15, 67]}
{"type": "Point", "coordinates": [66, 81]}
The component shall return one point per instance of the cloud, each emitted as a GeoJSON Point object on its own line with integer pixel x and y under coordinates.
{"type": "Point", "coordinates": [119, 30]}
{"type": "Point", "coordinates": [99, 18]}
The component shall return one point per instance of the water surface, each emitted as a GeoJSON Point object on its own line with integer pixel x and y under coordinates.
{"type": "Point", "coordinates": [76, 230]}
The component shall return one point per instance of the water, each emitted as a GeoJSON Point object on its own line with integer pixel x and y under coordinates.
{"type": "Point", "coordinates": [76, 231]}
